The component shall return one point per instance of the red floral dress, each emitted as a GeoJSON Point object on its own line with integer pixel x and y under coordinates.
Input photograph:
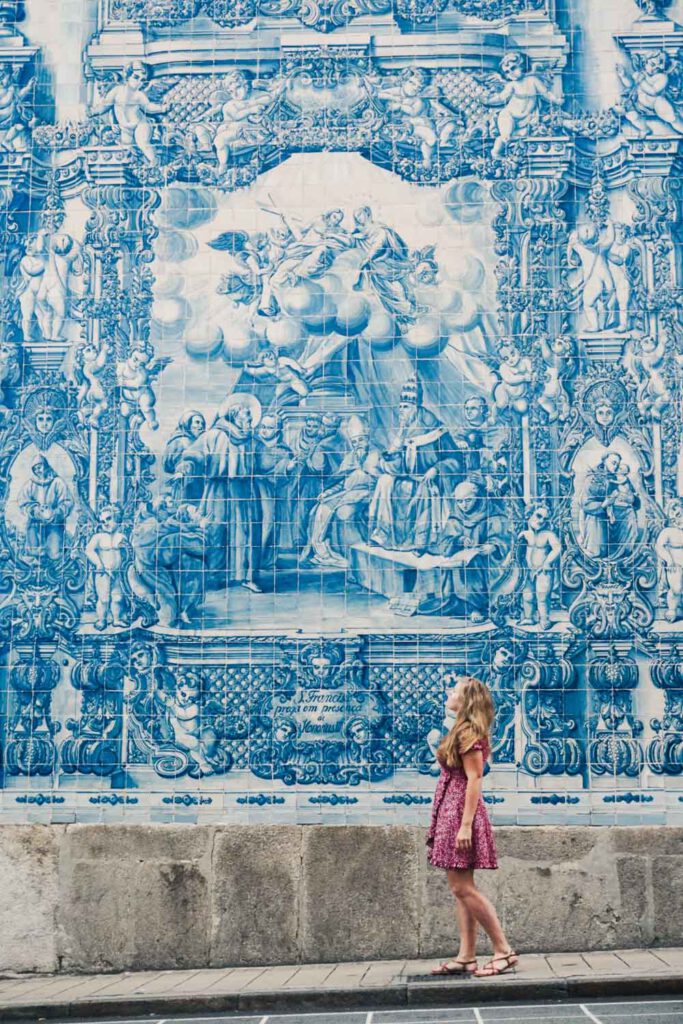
{"type": "Point", "coordinates": [447, 812]}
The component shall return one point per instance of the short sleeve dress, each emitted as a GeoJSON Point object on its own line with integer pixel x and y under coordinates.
{"type": "Point", "coordinates": [447, 812]}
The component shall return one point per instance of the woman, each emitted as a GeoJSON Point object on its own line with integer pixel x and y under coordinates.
{"type": "Point", "coordinates": [460, 838]}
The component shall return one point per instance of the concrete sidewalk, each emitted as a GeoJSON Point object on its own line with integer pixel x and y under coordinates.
{"type": "Point", "coordinates": [337, 986]}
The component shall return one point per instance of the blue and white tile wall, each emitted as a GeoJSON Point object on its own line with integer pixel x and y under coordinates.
{"type": "Point", "coordinates": [342, 350]}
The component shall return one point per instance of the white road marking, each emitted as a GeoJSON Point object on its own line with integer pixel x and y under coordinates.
{"type": "Point", "coordinates": [650, 1013]}
{"type": "Point", "coordinates": [604, 1009]}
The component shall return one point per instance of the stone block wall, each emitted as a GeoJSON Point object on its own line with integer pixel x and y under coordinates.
{"type": "Point", "coordinates": [111, 898]}
{"type": "Point", "coordinates": [329, 376]}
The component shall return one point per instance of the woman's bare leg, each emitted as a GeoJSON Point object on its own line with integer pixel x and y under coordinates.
{"type": "Point", "coordinates": [467, 926]}
{"type": "Point", "coordinates": [479, 907]}
{"type": "Point", "coordinates": [467, 950]}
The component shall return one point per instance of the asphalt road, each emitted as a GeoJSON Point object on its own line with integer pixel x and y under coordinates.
{"type": "Point", "coordinates": [660, 1011]}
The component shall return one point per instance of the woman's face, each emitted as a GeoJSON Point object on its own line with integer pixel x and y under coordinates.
{"type": "Point", "coordinates": [454, 699]}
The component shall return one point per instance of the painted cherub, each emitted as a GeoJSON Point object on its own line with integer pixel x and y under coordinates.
{"type": "Point", "coordinates": [288, 372]}
{"type": "Point", "coordinates": [15, 115]}
{"type": "Point", "coordinates": [542, 549]}
{"type": "Point", "coordinates": [420, 107]}
{"type": "Point", "coordinates": [648, 93]}
{"type": "Point", "coordinates": [242, 110]}
{"type": "Point", "coordinates": [516, 373]}
{"type": "Point", "coordinates": [669, 550]}
{"type": "Point", "coordinates": [89, 365]}
{"type": "Point", "coordinates": [558, 355]}
{"type": "Point", "coordinates": [106, 553]}
{"type": "Point", "coordinates": [184, 717]}
{"type": "Point", "coordinates": [131, 103]}
{"type": "Point", "coordinates": [135, 375]}
{"type": "Point", "coordinates": [643, 361]}
{"type": "Point", "coordinates": [521, 98]}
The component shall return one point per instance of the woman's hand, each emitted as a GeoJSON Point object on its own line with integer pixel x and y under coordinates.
{"type": "Point", "coordinates": [463, 840]}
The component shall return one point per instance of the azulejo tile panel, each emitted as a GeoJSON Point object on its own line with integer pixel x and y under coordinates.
{"type": "Point", "coordinates": [341, 352]}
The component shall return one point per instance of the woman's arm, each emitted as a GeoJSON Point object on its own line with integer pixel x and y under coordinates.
{"type": "Point", "coordinates": [473, 766]}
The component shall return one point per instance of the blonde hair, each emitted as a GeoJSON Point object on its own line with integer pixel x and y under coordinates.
{"type": "Point", "coordinates": [473, 723]}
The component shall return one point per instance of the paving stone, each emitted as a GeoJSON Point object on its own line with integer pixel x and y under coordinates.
{"type": "Point", "coordinates": [166, 981]}
{"type": "Point", "coordinates": [584, 975]}
{"type": "Point", "coordinates": [310, 977]}
{"type": "Point", "coordinates": [271, 979]}
{"type": "Point", "coordinates": [607, 963]}
{"type": "Point", "coordinates": [641, 959]}
{"type": "Point", "coordinates": [238, 980]}
{"type": "Point", "coordinates": [565, 964]}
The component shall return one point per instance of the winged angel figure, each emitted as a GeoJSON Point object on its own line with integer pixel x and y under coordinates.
{"type": "Point", "coordinates": [131, 102]}
{"type": "Point", "coordinates": [521, 97]}
{"type": "Point", "coordinates": [653, 92]}
{"type": "Point", "coordinates": [16, 115]}
{"type": "Point", "coordinates": [135, 376]}
{"type": "Point", "coordinates": [417, 105]}
{"type": "Point", "coordinates": [238, 118]}
{"type": "Point", "coordinates": [261, 264]}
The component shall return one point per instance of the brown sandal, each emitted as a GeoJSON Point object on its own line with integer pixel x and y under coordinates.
{"type": "Point", "coordinates": [460, 969]}
{"type": "Point", "coordinates": [489, 970]}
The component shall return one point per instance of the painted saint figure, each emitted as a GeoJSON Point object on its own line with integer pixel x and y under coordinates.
{"type": "Point", "coordinates": [420, 467]}
{"type": "Point", "coordinates": [609, 507]}
{"type": "Point", "coordinates": [273, 464]}
{"type": "Point", "coordinates": [466, 589]}
{"type": "Point", "coordinates": [223, 458]}
{"type": "Point", "coordinates": [191, 426]}
{"type": "Point", "coordinates": [46, 502]}
{"type": "Point", "coordinates": [346, 499]}
{"type": "Point", "coordinates": [318, 451]}
{"type": "Point", "coordinates": [386, 265]}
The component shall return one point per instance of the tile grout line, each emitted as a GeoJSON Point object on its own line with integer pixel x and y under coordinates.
{"type": "Point", "coordinates": [591, 1016]}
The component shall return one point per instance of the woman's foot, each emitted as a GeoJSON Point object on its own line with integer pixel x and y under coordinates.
{"type": "Point", "coordinates": [501, 963]}
{"type": "Point", "coordinates": [456, 967]}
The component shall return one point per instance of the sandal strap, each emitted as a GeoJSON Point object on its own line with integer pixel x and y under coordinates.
{"type": "Point", "coordinates": [504, 957]}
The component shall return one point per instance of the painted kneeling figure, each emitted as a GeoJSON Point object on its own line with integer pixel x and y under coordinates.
{"type": "Point", "coordinates": [460, 837]}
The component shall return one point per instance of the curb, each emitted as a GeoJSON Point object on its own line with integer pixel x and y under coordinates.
{"type": "Point", "coordinates": [404, 993]}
